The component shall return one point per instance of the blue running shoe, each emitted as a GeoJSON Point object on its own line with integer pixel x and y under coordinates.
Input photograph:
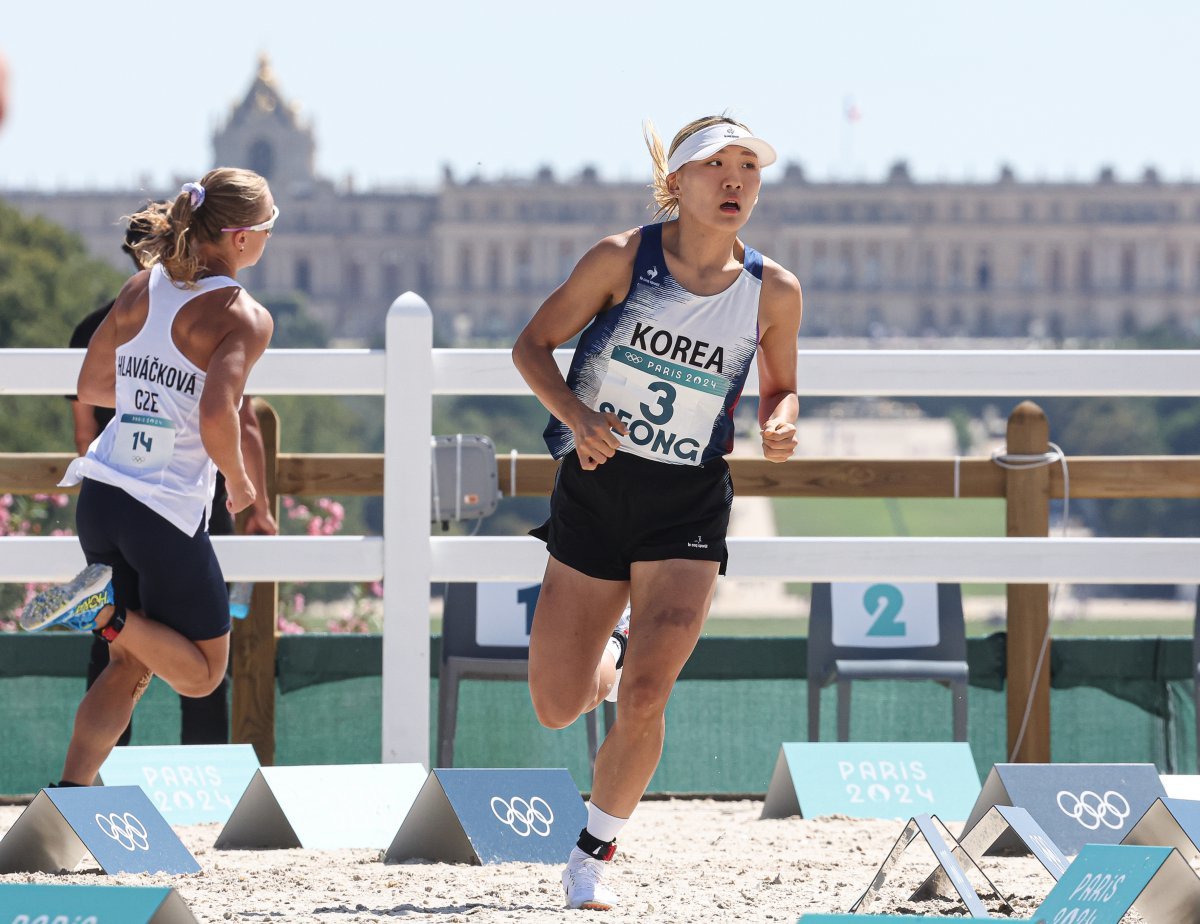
{"type": "Point", "coordinates": [75, 604]}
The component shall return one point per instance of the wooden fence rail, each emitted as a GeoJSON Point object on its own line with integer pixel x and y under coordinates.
{"type": "Point", "coordinates": [1027, 493]}
{"type": "Point", "coordinates": [361, 474]}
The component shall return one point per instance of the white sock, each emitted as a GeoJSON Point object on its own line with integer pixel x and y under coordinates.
{"type": "Point", "coordinates": [603, 826]}
{"type": "Point", "coordinates": [613, 647]}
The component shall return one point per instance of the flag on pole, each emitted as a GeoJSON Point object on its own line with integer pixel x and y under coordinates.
{"type": "Point", "coordinates": [851, 111]}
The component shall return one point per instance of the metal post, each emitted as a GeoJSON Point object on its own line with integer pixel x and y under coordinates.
{"type": "Point", "coordinates": [1028, 504]}
{"type": "Point", "coordinates": [407, 563]}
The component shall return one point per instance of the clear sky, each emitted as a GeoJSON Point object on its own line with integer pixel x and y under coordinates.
{"type": "Point", "coordinates": [395, 89]}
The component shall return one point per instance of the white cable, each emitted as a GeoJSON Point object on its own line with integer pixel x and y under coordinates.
{"type": "Point", "coordinates": [1018, 461]}
{"type": "Point", "coordinates": [512, 473]}
{"type": "Point", "coordinates": [437, 496]}
{"type": "Point", "coordinates": [957, 475]}
{"type": "Point", "coordinates": [458, 494]}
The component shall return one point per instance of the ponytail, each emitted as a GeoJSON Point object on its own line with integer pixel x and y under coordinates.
{"type": "Point", "coordinates": [165, 238]}
{"type": "Point", "coordinates": [224, 198]}
{"type": "Point", "coordinates": [666, 201]}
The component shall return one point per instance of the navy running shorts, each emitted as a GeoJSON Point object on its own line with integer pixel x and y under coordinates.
{"type": "Point", "coordinates": [633, 509]}
{"type": "Point", "coordinates": [171, 577]}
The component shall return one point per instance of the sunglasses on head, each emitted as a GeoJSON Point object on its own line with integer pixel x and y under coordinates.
{"type": "Point", "coordinates": [262, 225]}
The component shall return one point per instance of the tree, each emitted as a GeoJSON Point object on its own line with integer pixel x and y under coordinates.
{"type": "Point", "coordinates": [47, 284]}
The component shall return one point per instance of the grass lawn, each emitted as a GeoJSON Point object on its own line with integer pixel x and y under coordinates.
{"type": "Point", "coordinates": [871, 516]}
{"type": "Point", "coordinates": [1060, 628]}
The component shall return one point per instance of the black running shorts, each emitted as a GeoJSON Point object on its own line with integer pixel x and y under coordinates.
{"type": "Point", "coordinates": [170, 576]}
{"type": "Point", "coordinates": [633, 509]}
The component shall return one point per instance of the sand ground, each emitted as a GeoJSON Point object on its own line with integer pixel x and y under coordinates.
{"type": "Point", "coordinates": [679, 861]}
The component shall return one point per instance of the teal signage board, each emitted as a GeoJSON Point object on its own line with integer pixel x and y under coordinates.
{"type": "Point", "coordinates": [78, 904]}
{"type": "Point", "coordinates": [1075, 804]}
{"type": "Point", "coordinates": [884, 779]}
{"type": "Point", "coordinates": [1105, 881]}
{"type": "Point", "coordinates": [877, 919]}
{"type": "Point", "coordinates": [492, 816]}
{"type": "Point", "coordinates": [117, 825]}
{"type": "Point", "coordinates": [189, 784]}
{"type": "Point", "coordinates": [324, 807]}
{"type": "Point", "coordinates": [1169, 823]}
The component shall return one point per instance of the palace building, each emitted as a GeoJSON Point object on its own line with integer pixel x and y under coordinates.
{"type": "Point", "coordinates": [1006, 258]}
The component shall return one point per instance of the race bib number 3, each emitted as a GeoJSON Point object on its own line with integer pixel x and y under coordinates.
{"type": "Point", "coordinates": [670, 409]}
{"type": "Point", "coordinates": [143, 443]}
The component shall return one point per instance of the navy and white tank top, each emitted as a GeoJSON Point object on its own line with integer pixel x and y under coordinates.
{"type": "Point", "coordinates": [671, 365]}
{"type": "Point", "coordinates": [152, 449]}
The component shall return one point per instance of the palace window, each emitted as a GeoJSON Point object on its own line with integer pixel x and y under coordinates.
{"type": "Point", "coordinates": [1128, 268]}
{"type": "Point", "coordinates": [1055, 272]}
{"type": "Point", "coordinates": [302, 276]}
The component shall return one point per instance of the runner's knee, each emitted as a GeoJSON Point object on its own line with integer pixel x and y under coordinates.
{"type": "Point", "coordinates": [643, 699]}
{"type": "Point", "coordinates": [200, 685]}
{"type": "Point", "coordinates": [554, 710]}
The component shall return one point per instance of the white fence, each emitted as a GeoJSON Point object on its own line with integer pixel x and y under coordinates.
{"type": "Point", "coordinates": [409, 372]}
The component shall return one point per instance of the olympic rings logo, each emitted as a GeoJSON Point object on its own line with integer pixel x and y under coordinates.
{"type": "Point", "coordinates": [122, 828]}
{"type": "Point", "coordinates": [524, 817]}
{"type": "Point", "coordinates": [1092, 810]}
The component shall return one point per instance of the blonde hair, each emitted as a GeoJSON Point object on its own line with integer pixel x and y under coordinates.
{"type": "Point", "coordinates": [232, 198]}
{"type": "Point", "coordinates": [666, 201]}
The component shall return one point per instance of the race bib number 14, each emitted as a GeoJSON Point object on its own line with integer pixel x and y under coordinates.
{"type": "Point", "coordinates": [670, 409]}
{"type": "Point", "coordinates": [143, 442]}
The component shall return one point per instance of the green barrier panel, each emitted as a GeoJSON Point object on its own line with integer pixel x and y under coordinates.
{"type": "Point", "coordinates": [738, 699]}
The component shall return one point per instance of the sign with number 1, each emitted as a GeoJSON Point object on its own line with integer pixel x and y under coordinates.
{"type": "Point", "coordinates": [504, 613]}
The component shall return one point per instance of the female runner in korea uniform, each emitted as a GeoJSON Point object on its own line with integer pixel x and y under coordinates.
{"type": "Point", "coordinates": [672, 315]}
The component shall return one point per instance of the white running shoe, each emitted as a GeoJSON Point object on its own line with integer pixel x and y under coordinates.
{"type": "Point", "coordinates": [617, 644]}
{"type": "Point", "coordinates": [75, 604]}
{"type": "Point", "coordinates": [583, 880]}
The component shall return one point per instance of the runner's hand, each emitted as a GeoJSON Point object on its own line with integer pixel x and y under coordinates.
{"type": "Point", "coordinates": [260, 522]}
{"type": "Point", "coordinates": [779, 440]}
{"type": "Point", "coordinates": [595, 441]}
{"type": "Point", "coordinates": [241, 494]}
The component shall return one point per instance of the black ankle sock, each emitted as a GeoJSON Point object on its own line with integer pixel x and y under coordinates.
{"type": "Point", "coordinates": [111, 629]}
{"type": "Point", "coordinates": [66, 784]}
{"type": "Point", "coordinates": [594, 847]}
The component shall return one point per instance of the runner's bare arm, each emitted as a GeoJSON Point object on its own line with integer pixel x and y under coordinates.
{"type": "Point", "coordinates": [97, 385]}
{"type": "Point", "coordinates": [599, 281]}
{"type": "Point", "coordinates": [224, 384]}
{"type": "Point", "coordinates": [781, 308]}
{"type": "Point", "coordinates": [261, 521]}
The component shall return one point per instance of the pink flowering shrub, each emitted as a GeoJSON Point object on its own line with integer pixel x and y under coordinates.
{"type": "Point", "coordinates": [37, 515]}
{"type": "Point", "coordinates": [358, 611]}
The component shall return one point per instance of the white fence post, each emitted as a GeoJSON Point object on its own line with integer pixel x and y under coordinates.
{"type": "Point", "coordinates": [408, 426]}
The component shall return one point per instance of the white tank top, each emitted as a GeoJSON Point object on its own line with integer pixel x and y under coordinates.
{"type": "Point", "coordinates": [152, 448]}
{"type": "Point", "coordinates": [670, 364]}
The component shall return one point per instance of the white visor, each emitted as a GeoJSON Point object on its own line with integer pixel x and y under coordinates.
{"type": "Point", "coordinates": [705, 143]}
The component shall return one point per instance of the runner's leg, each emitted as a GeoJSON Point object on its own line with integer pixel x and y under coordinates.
{"type": "Point", "coordinates": [670, 601]}
{"type": "Point", "coordinates": [568, 672]}
{"type": "Point", "coordinates": [191, 668]}
{"type": "Point", "coordinates": [103, 715]}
